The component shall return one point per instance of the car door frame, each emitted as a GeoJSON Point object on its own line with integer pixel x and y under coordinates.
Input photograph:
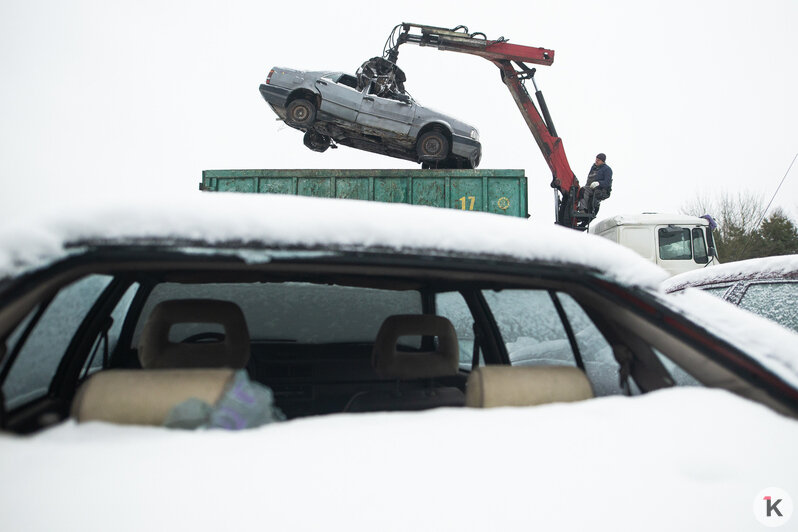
{"type": "Point", "coordinates": [339, 101]}
{"type": "Point", "coordinates": [386, 114]}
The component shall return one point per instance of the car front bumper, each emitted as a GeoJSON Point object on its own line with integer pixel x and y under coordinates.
{"type": "Point", "coordinates": [467, 148]}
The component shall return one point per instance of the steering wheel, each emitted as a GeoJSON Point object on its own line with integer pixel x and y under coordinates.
{"type": "Point", "coordinates": [204, 338]}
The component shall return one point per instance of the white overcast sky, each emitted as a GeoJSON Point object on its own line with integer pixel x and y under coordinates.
{"type": "Point", "coordinates": [134, 99]}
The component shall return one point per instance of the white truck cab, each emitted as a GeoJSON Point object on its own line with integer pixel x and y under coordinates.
{"type": "Point", "coordinates": [676, 242]}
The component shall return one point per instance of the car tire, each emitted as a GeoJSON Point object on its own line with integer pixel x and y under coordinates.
{"type": "Point", "coordinates": [300, 113]}
{"type": "Point", "coordinates": [432, 146]}
{"type": "Point", "coordinates": [316, 141]}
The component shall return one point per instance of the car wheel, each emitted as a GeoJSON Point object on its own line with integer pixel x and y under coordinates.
{"type": "Point", "coordinates": [300, 113]}
{"type": "Point", "coordinates": [316, 141]}
{"type": "Point", "coordinates": [432, 146]}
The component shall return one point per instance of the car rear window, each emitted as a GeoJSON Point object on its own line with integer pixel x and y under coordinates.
{"type": "Point", "coordinates": [293, 312]}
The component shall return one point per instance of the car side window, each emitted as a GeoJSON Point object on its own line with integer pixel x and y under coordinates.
{"type": "Point", "coordinates": [530, 327]}
{"type": "Point", "coordinates": [601, 367]}
{"type": "Point", "coordinates": [95, 360]}
{"type": "Point", "coordinates": [37, 359]}
{"type": "Point", "coordinates": [680, 376]}
{"type": "Point", "coordinates": [775, 301]}
{"type": "Point", "coordinates": [718, 291]}
{"type": "Point", "coordinates": [347, 80]}
{"type": "Point", "coordinates": [452, 306]}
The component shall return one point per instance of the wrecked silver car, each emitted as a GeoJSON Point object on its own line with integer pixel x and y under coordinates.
{"type": "Point", "coordinates": [371, 112]}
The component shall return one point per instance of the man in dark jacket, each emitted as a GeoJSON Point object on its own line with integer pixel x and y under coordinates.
{"type": "Point", "coordinates": [599, 184]}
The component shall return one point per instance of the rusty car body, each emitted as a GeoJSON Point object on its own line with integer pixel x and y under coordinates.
{"type": "Point", "coordinates": [337, 108]}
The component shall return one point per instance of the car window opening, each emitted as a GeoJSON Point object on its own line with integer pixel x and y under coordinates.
{"type": "Point", "coordinates": [313, 343]}
{"type": "Point", "coordinates": [36, 358]}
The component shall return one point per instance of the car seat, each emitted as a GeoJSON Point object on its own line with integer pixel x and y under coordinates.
{"type": "Point", "coordinates": [145, 397]}
{"type": "Point", "coordinates": [230, 350]}
{"type": "Point", "coordinates": [391, 363]}
{"type": "Point", "coordinates": [495, 386]}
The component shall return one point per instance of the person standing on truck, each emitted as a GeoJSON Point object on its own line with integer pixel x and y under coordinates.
{"type": "Point", "coordinates": [599, 184]}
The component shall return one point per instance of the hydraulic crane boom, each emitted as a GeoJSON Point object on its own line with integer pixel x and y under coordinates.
{"type": "Point", "coordinates": [503, 54]}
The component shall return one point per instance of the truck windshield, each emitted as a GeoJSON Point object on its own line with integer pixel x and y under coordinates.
{"type": "Point", "coordinates": [675, 244]}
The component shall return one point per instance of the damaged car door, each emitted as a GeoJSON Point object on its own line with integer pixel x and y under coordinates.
{"type": "Point", "coordinates": [338, 98]}
{"type": "Point", "coordinates": [386, 114]}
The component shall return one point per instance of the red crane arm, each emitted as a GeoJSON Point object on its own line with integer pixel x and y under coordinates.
{"type": "Point", "coordinates": [502, 54]}
{"type": "Point", "coordinates": [550, 145]}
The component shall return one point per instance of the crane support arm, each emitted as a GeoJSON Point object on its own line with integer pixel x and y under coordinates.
{"type": "Point", "coordinates": [543, 131]}
{"type": "Point", "coordinates": [503, 54]}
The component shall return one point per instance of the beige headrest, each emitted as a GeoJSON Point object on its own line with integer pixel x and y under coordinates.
{"type": "Point", "coordinates": [390, 363]}
{"type": "Point", "coordinates": [492, 386]}
{"type": "Point", "coordinates": [145, 397]}
{"type": "Point", "coordinates": [156, 351]}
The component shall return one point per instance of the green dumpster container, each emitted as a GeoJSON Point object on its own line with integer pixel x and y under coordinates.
{"type": "Point", "coordinates": [495, 191]}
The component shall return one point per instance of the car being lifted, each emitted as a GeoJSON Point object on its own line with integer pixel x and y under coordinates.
{"type": "Point", "coordinates": [369, 112]}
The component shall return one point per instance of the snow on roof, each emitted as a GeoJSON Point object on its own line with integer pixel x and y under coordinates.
{"type": "Point", "coordinates": [762, 268]}
{"type": "Point", "coordinates": [775, 347]}
{"type": "Point", "coordinates": [647, 218]}
{"type": "Point", "coordinates": [280, 220]}
{"type": "Point", "coordinates": [677, 459]}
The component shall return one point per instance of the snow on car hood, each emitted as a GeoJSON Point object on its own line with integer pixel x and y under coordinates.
{"type": "Point", "coordinates": [286, 221]}
{"type": "Point", "coordinates": [678, 459]}
{"type": "Point", "coordinates": [762, 268]}
{"type": "Point", "coordinates": [767, 342]}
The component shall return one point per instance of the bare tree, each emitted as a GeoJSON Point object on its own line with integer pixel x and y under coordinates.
{"type": "Point", "coordinates": [738, 217]}
{"type": "Point", "coordinates": [699, 205]}
{"type": "Point", "coordinates": [741, 213]}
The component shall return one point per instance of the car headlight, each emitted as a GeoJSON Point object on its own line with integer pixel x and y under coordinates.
{"type": "Point", "coordinates": [475, 134]}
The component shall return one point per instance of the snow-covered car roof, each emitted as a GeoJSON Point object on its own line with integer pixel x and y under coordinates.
{"type": "Point", "coordinates": [280, 221]}
{"type": "Point", "coordinates": [779, 267]}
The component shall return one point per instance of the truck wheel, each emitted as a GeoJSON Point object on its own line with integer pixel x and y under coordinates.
{"type": "Point", "coordinates": [432, 146]}
{"type": "Point", "coordinates": [316, 141]}
{"type": "Point", "coordinates": [300, 113]}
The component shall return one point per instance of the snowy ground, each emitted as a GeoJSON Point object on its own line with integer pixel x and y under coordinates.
{"type": "Point", "coordinates": [683, 459]}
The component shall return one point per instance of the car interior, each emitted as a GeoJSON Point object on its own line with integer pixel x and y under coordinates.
{"type": "Point", "coordinates": [126, 344]}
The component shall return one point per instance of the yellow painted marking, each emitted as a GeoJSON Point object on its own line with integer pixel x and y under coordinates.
{"type": "Point", "coordinates": [463, 202]}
